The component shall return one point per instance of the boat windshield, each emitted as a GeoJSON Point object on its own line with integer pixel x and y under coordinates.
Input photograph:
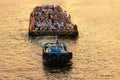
{"type": "Point", "coordinates": [56, 49]}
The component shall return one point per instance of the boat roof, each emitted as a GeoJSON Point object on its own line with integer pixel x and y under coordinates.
{"type": "Point", "coordinates": [54, 44]}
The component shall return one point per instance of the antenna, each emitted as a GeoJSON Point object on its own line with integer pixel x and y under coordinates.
{"type": "Point", "coordinates": [57, 40]}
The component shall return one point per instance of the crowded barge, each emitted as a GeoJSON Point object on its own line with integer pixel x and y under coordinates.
{"type": "Point", "coordinates": [51, 20]}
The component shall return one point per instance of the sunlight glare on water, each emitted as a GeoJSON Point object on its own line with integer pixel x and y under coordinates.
{"type": "Point", "coordinates": [96, 52]}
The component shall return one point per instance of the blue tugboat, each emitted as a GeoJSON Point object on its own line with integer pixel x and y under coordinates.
{"type": "Point", "coordinates": [56, 52]}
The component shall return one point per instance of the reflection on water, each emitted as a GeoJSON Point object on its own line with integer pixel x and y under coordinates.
{"type": "Point", "coordinates": [56, 71]}
{"type": "Point", "coordinates": [57, 68]}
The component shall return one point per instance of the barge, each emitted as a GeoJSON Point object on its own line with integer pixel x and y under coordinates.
{"type": "Point", "coordinates": [51, 20]}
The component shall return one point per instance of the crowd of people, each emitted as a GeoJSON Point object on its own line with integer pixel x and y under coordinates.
{"type": "Point", "coordinates": [50, 17]}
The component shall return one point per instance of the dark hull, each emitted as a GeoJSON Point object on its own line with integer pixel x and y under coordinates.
{"type": "Point", "coordinates": [57, 61]}
{"type": "Point", "coordinates": [62, 58]}
{"type": "Point", "coordinates": [61, 33]}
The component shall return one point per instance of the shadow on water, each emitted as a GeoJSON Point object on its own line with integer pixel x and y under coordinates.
{"type": "Point", "coordinates": [57, 67]}
{"type": "Point", "coordinates": [57, 71]}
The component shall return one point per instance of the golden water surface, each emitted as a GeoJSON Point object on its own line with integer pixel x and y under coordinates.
{"type": "Point", "coordinates": [96, 52]}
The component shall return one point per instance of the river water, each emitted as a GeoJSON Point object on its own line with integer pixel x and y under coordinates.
{"type": "Point", "coordinates": [96, 52]}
